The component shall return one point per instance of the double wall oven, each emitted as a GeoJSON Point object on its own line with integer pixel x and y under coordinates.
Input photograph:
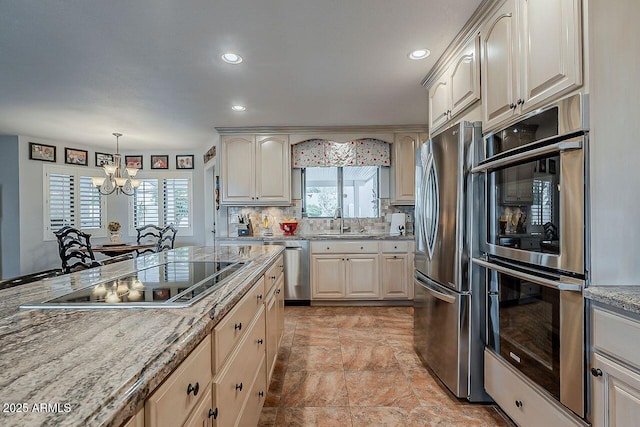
{"type": "Point", "coordinates": [535, 262]}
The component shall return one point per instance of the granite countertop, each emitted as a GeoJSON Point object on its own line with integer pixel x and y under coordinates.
{"type": "Point", "coordinates": [95, 367]}
{"type": "Point", "coordinates": [320, 236]}
{"type": "Point", "coordinates": [624, 297]}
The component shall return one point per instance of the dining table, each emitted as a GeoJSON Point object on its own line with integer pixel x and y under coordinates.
{"type": "Point", "coordinates": [114, 249]}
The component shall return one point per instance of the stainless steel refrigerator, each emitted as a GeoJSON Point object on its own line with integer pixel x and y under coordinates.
{"type": "Point", "coordinates": [449, 305]}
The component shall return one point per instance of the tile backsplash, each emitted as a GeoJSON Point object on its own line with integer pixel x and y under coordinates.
{"type": "Point", "coordinates": [313, 225]}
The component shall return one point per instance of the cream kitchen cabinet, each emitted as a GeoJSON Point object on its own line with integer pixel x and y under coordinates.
{"type": "Point", "coordinates": [403, 168]}
{"type": "Point", "coordinates": [256, 170]}
{"type": "Point", "coordinates": [531, 54]}
{"type": "Point", "coordinates": [274, 313]}
{"type": "Point", "coordinates": [396, 269]}
{"type": "Point", "coordinates": [615, 368]}
{"type": "Point", "coordinates": [457, 88]}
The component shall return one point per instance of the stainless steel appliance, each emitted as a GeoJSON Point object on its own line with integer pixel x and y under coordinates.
{"type": "Point", "coordinates": [297, 282]}
{"type": "Point", "coordinates": [536, 261]}
{"type": "Point", "coordinates": [536, 188]}
{"type": "Point", "coordinates": [448, 324]}
{"type": "Point", "coordinates": [175, 284]}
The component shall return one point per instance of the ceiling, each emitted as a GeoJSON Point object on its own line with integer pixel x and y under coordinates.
{"type": "Point", "coordinates": [77, 71]}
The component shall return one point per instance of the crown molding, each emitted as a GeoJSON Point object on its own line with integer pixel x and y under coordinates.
{"type": "Point", "coordinates": [321, 129]}
{"type": "Point", "coordinates": [471, 29]}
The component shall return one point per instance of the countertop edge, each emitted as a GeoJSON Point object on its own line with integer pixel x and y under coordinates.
{"type": "Point", "coordinates": [626, 298]}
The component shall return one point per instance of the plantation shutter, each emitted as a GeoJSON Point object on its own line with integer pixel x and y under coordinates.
{"type": "Point", "coordinates": [146, 207]}
{"type": "Point", "coordinates": [176, 202]}
{"type": "Point", "coordinates": [90, 205]}
{"type": "Point", "coordinates": [61, 201]}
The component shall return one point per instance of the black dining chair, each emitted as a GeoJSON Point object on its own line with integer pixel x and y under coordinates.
{"type": "Point", "coordinates": [75, 250]}
{"type": "Point", "coordinates": [167, 238]}
{"type": "Point", "coordinates": [147, 235]}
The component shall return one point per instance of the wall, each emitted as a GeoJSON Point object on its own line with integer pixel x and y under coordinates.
{"type": "Point", "coordinates": [614, 61]}
{"type": "Point", "coordinates": [37, 254]}
{"type": "Point", "coordinates": [9, 208]}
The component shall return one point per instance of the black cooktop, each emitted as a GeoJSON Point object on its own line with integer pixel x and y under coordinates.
{"type": "Point", "coordinates": [175, 284]}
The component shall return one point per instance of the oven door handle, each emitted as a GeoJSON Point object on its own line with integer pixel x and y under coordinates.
{"type": "Point", "coordinates": [559, 285]}
{"type": "Point", "coordinates": [570, 144]}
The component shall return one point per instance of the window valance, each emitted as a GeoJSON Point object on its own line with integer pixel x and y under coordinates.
{"type": "Point", "coordinates": [321, 152]}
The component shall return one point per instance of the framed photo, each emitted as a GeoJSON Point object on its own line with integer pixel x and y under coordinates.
{"type": "Point", "coordinates": [160, 162]}
{"type": "Point", "coordinates": [552, 166]}
{"type": "Point", "coordinates": [133, 162]}
{"type": "Point", "coordinates": [542, 166]}
{"type": "Point", "coordinates": [184, 162]}
{"type": "Point", "coordinates": [73, 156]}
{"type": "Point", "coordinates": [103, 159]}
{"type": "Point", "coordinates": [46, 153]}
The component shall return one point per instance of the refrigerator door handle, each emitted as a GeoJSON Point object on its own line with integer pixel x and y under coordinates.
{"type": "Point", "coordinates": [441, 296]}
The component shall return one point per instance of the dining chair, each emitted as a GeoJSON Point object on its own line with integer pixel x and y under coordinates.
{"type": "Point", "coordinates": [75, 250]}
{"type": "Point", "coordinates": [148, 234]}
{"type": "Point", "coordinates": [167, 238]}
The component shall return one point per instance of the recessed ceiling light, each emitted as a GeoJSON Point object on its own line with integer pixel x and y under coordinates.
{"type": "Point", "coordinates": [238, 108]}
{"type": "Point", "coordinates": [419, 54]}
{"type": "Point", "coordinates": [231, 58]}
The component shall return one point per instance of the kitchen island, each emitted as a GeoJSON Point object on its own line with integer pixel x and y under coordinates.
{"type": "Point", "coordinates": [97, 367]}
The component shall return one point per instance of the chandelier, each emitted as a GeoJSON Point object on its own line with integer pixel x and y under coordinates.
{"type": "Point", "coordinates": [119, 179]}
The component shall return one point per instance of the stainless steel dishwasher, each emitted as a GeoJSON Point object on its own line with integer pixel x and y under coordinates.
{"type": "Point", "coordinates": [297, 284]}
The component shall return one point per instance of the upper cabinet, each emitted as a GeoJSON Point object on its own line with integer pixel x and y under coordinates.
{"type": "Point", "coordinates": [403, 168]}
{"type": "Point", "coordinates": [531, 53]}
{"type": "Point", "coordinates": [256, 170]}
{"type": "Point", "coordinates": [456, 88]}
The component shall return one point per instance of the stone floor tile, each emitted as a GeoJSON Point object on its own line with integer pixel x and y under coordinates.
{"type": "Point", "coordinates": [369, 358]}
{"type": "Point", "coordinates": [315, 358]}
{"type": "Point", "coordinates": [371, 388]}
{"type": "Point", "coordinates": [314, 417]}
{"type": "Point", "coordinates": [307, 388]}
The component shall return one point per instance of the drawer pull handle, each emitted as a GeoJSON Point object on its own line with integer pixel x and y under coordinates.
{"type": "Point", "coordinates": [259, 297]}
{"type": "Point", "coordinates": [238, 326]}
{"type": "Point", "coordinates": [395, 247]}
{"type": "Point", "coordinates": [213, 413]}
{"type": "Point", "coordinates": [193, 389]}
{"type": "Point", "coordinates": [361, 247]}
{"type": "Point", "coordinates": [278, 291]}
{"type": "Point", "coordinates": [519, 403]}
{"type": "Point", "coordinates": [596, 372]}
{"type": "Point", "coordinates": [239, 386]}
{"type": "Point", "coordinates": [273, 277]}
{"type": "Point", "coordinates": [260, 341]}
{"type": "Point", "coordinates": [261, 393]}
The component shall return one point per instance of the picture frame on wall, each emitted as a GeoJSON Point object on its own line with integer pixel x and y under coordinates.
{"type": "Point", "coordinates": [103, 159]}
{"type": "Point", "coordinates": [73, 156]}
{"type": "Point", "coordinates": [542, 166]}
{"type": "Point", "coordinates": [184, 161]}
{"type": "Point", "coordinates": [159, 162]}
{"type": "Point", "coordinates": [42, 152]}
{"type": "Point", "coordinates": [552, 166]}
{"type": "Point", "coordinates": [133, 162]}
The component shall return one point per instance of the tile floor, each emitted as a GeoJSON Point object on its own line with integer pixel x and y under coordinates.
{"type": "Point", "coordinates": [355, 366]}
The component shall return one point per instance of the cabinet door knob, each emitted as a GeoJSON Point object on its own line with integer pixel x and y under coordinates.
{"type": "Point", "coordinates": [519, 403]}
{"type": "Point", "coordinates": [273, 277]}
{"type": "Point", "coordinates": [259, 297]}
{"type": "Point", "coordinates": [213, 413]}
{"type": "Point", "coordinates": [193, 389]}
{"type": "Point", "coordinates": [444, 114]}
{"type": "Point", "coordinates": [596, 372]}
{"type": "Point", "coordinates": [239, 386]}
{"type": "Point", "coordinates": [238, 326]}
{"type": "Point", "coordinates": [520, 101]}
{"type": "Point", "coordinates": [261, 393]}
{"type": "Point", "coordinates": [260, 341]}
{"type": "Point", "coordinates": [512, 106]}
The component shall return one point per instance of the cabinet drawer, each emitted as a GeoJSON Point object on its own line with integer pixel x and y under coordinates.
{"type": "Point", "coordinates": [233, 326]}
{"type": "Point", "coordinates": [255, 400]}
{"type": "Point", "coordinates": [171, 403]}
{"type": "Point", "coordinates": [233, 384]}
{"type": "Point", "coordinates": [339, 247]}
{"type": "Point", "coordinates": [395, 246]}
{"type": "Point", "coordinates": [200, 416]}
{"type": "Point", "coordinates": [273, 273]}
{"type": "Point", "coordinates": [507, 388]}
{"type": "Point", "coordinates": [616, 335]}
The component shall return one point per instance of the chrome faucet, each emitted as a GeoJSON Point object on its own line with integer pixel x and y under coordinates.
{"type": "Point", "coordinates": [338, 215]}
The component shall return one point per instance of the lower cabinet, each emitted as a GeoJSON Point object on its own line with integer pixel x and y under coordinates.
{"type": "Point", "coordinates": [361, 270]}
{"type": "Point", "coordinates": [224, 381]}
{"type": "Point", "coordinates": [615, 368]}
